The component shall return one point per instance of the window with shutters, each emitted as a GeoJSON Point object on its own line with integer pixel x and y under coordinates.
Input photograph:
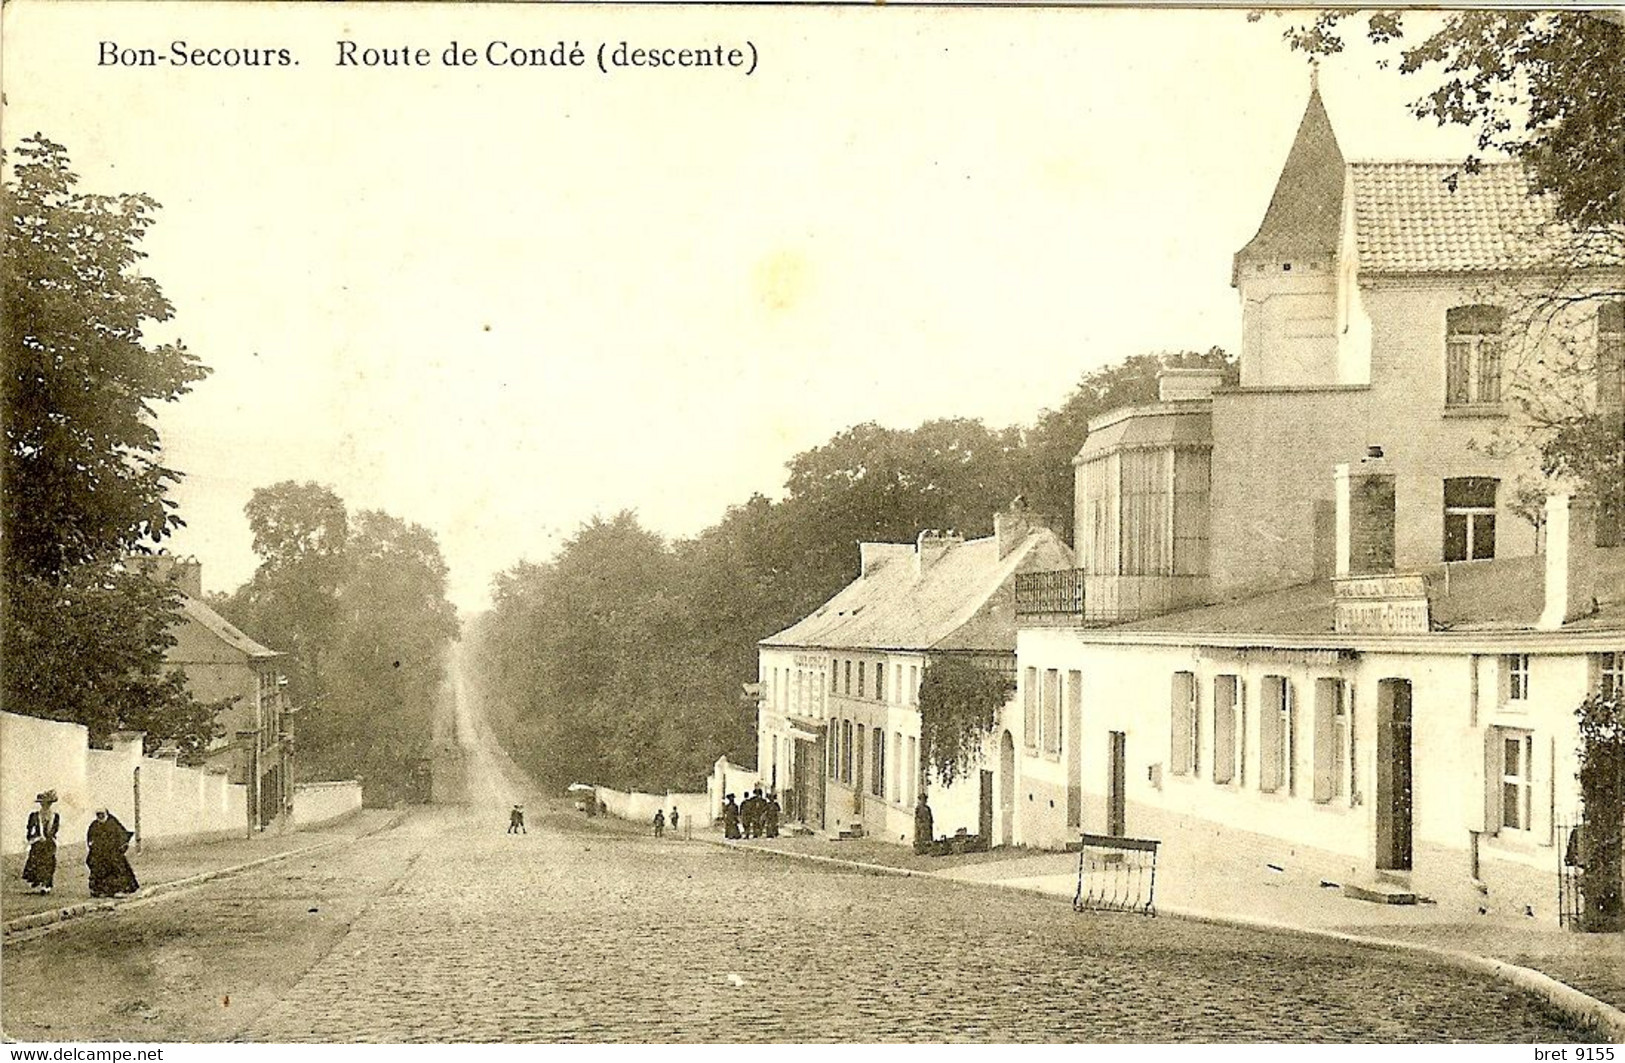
{"type": "Point", "coordinates": [860, 754]}
{"type": "Point", "coordinates": [846, 749]}
{"type": "Point", "coordinates": [848, 687]}
{"type": "Point", "coordinates": [1029, 708]}
{"type": "Point", "coordinates": [913, 765]}
{"type": "Point", "coordinates": [1469, 518]}
{"type": "Point", "coordinates": [898, 768]}
{"type": "Point", "coordinates": [863, 671]}
{"type": "Point", "coordinates": [1051, 724]}
{"type": "Point", "coordinates": [1276, 738]}
{"type": "Point", "coordinates": [1473, 355]}
{"type": "Point", "coordinates": [877, 773]}
{"type": "Point", "coordinates": [1228, 726]}
{"type": "Point", "coordinates": [1184, 753]}
{"type": "Point", "coordinates": [1331, 739]}
{"type": "Point", "coordinates": [913, 684]}
{"type": "Point", "coordinates": [1517, 750]}
{"type": "Point", "coordinates": [880, 681]}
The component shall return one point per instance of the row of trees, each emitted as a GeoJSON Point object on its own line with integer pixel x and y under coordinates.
{"type": "Point", "coordinates": [621, 660]}
{"type": "Point", "coordinates": [359, 603]}
{"type": "Point", "coordinates": [85, 485]}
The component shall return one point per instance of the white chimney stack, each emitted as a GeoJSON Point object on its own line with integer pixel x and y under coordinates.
{"type": "Point", "coordinates": [931, 545]}
{"type": "Point", "coordinates": [1365, 516]}
{"type": "Point", "coordinates": [1570, 566]}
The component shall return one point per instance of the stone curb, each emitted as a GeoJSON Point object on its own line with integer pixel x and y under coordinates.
{"type": "Point", "coordinates": [43, 922]}
{"type": "Point", "coordinates": [1587, 1010]}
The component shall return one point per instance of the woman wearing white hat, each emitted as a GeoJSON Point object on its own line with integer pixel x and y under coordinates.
{"type": "Point", "coordinates": [40, 869]}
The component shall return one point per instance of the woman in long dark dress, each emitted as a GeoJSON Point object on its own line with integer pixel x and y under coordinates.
{"type": "Point", "coordinates": [105, 844]}
{"type": "Point", "coordinates": [39, 871]}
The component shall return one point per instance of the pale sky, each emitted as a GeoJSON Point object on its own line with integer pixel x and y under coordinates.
{"type": "Point", "coordinates": [500, 301]}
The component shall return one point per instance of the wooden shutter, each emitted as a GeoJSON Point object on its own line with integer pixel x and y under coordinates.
{"type": "Point", "coordinates": [1179, 720]}
{"type": "Point", "coordinates": [1326, 739]}
{"type": "Point", "coordinates": [1269, 735]}
{"type": "Point", "coordinates": [1224, 729]}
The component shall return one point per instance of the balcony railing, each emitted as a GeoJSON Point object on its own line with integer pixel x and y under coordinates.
{"type": "Point", "coordinates": [1073, 596]}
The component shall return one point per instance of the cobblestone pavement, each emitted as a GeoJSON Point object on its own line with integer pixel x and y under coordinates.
{"type": "Point", "coordinates": [571, 933]}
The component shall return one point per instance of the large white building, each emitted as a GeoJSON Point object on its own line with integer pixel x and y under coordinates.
{"type": "Point", "coordinates": [1312, 623]}
{"type": "Point", "coordinates": [839, 722]}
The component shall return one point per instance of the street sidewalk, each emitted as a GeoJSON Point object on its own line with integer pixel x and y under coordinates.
{"type": "Point", "coordinates": [1593, 964]}
{"type": "Point", "coordinates": [162, 869]}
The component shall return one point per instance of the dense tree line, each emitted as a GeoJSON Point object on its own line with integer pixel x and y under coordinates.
{"type": "Point", "coordinates": [85, 487]}
{"type": "Point", "coordinates": [360, 605]}
{"type": "Point", "coordinates": [621, 661]}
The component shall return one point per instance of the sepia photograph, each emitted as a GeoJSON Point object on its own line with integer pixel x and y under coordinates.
{"type": "Point", "coordinates": [780, 524]}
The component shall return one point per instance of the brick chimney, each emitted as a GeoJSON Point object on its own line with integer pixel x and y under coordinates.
{"type": "Point", "coordinates": [1571, 535]}
{"type": "Point", "coordinates": [1012, 526]}
{"type": "Point", "coordinates": [1365, 516]}
{"type": "Point", "coordinates": [931, 545]}
{"type": "Point", "coordinates": [1184, 385]}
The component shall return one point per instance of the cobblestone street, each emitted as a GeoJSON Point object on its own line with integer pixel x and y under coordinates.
{"type": "Point", "coordinates": [448, 929]}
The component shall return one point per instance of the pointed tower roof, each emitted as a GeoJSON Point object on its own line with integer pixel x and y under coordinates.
{"type": "Point", "coordinates": [1305, 213]}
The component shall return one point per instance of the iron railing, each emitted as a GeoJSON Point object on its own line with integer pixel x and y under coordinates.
{"type": "Point", "coordinates": [1117, 875]}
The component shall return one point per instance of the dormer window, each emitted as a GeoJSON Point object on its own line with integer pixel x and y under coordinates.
{"type": "Point", "coordinates": [1473, 355]}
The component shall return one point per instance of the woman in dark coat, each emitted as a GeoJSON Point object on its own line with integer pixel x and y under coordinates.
{"type": "Point", "coordinates": [40, 869]}
{"type": "Point", "coordinates": [730, 818]}
{"type": "Point", "coordinates": [105, 844]}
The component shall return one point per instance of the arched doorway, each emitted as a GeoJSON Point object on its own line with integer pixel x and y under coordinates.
{"type": "Point", "coordinates": [1007, 790]}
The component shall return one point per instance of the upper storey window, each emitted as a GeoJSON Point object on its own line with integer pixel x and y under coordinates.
{"type": "Point", "coordinates": [1611, 356]}
{"type": "Point", "coordinates": [1473, 355]}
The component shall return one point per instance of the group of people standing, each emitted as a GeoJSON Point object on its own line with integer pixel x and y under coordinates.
{"type": "Point", "coordinates": [661, 821]}
{"type": "Point", "coordinates": [757, 816]}
{"type": "Point", "coordinates": [106, 843]}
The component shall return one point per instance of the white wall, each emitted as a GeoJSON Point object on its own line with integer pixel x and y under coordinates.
{"type": "Point", "coordinates": [323, 802]}
{"type": "Point", "coordinates": [177, 803]}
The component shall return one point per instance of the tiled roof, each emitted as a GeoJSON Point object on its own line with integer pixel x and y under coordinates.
{"type": "Point", "coordinates": [957, 603]}
{"type": "Point", "coordinates": [1409, 219]}
{"type": "Point", "coordinates": [222, 628]}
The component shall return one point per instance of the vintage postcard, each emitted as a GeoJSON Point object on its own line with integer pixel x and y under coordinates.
{"type": "Point", "coordinates": [792, 524]}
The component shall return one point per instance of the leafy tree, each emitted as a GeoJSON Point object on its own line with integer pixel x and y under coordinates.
{"type": "Point", "coordinates": [84, 484]}
{"type": "Point", "coordinates": [361, 604]}
{"type": "Point", "coordinates": [1602, 789]}
{"type": "Point", "coordinates": [959, 708]}
{"type": "Point", "coordinates": [301, 534]}
{"type": "Point", "coordinates": [82, 470]}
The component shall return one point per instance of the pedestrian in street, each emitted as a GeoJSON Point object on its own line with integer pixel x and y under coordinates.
{"type": "Point", "coordinates": [106, 842]}
{"type": "Point", "coordinates": [751, 813]}
{"type": "Point", "coordinates": [40, 869]}
{"type": "Point", "coordinates": [770, 815]}
{"type": "Point", "coordinates": [660, 824]}
{"type": "Point", "coordinates": [923, 826]}
{"type": "Point", "coordinates": [730, 818]}
{"type": "Point", "coordinates": [673, 820]}
{"type": "Point", "coordinates": [516, 820]}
